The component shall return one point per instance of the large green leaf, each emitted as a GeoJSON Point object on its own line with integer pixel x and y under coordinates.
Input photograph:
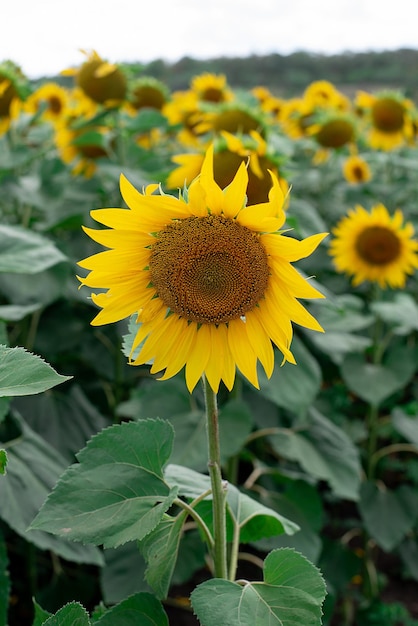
{"type": "Point", "coordinates": [32, 470]}
{"type": "Point", "coordinates": [375, 383]}
{"type": "Point", "coordinates": [254, 519]}
{"type": "Point", "coordinates": [292, 594]}
{"type": "Point", "coordinates": [388, 515]}
{"type": "Point", "coordinates": [141, 609]}
{"type": "Point", "coordinates": [4, 582]}
{"type": "Point", "coordinates": [285, 385]}
{"type": "Point", "coordinates": [23, 373]}
{"type": "Point", "coordinates": [160, 549]}
{"type": "Point", "coordinates": [116, 493]}
{"type": "Point", "coordinates": [72, 614]}
{"type": "Point", "coordinates": [3, 461]}
{"type": "Point", "coordinates": [325, 452]}
{"type": "Point", "coordinates": [401, 313]}
{"type": "Point", "coordinates": [25, 252]}
{"type": "Point", "coordinates": [405, 425]}
{"type": "Point", "coordinates": [123, 573]}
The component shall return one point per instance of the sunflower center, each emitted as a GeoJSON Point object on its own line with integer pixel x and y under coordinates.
{"type": "Point", "coordinates": [335, 133]}
{"type": "Point", "coordinates": [209, 270]}
{"type": "Point", "coordinates": [378, 245]}
{"type": "Point", "coordinates": [55, 104]}
{"type": "Point", "coordinates": [388, 115]}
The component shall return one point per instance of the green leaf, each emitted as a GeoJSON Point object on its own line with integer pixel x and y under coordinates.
{"type": "Point", "coordinates": [405, 425]}
{"type": "Point", "coordinates": [72, 614]}
{"type": "Point", "coordinates": [4, 582]}
{"type": "Point", "coordinates": [408, 551]}
{"type": "Point", "coordinates": [375, 383]}
{"type": "Point", "coordinates": [141, 609]}
{"type": "Point", "coordinates": [23, 373]}
{"type": "Point", "coordinates": [387, 514]}
{"type": "Point", "coordinates": [292, 593]}
{"type": "Point", "coordinates": [285, 385]}
{"type": "Point", "coordinates": [254, 519]}
{"type": "Point", "coordinates": [32, 470]}
{"type": "Point", "coordinates": [25, 252]}
{"type": "Point", "coordinates": [3, 462]}
{"type": "Point", "coordinates": [116, 492]}
{"type": "Point", "coordinates": [325, 452]}
{"type": "Point", "coordinates": [402, 313]}
{"type": "Point", "coordinates": [40, 615]}
{"type": "Point", "coordinates": [160, 549]}
{"type": "Point", "coordinates": [15, 312]}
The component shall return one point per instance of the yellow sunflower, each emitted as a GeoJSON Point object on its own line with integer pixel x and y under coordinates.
{"type": "Point", "coordinates": [209, 279]}
{"type": "Point", "coordinates": [103, 82]}
{"type": "Point", "coordinates": [389, 119]}
{"type": "Point", "coordinates": [323, 94]}
{"type": "Point", "coordinates": [375, 246]}
{"type": "Point", "coordinates": [211, 87]}
{"type": "Point", "coordinates": [356, 170]}
{"type": "Point", "coordinates": [82, 148]}
{"type": "Point", "coordinates": [51, 99]}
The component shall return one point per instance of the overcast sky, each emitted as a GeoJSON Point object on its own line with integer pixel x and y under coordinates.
{"type": "Point", "coordinates": [45, 36]}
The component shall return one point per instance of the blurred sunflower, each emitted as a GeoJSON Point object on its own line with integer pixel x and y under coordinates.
{"type": "Point", "coordinates": [81, 148]}
{"type": "Point", "coordinates": [13, 89]}
{"type": "Point", "coordinates": [356, 170]}
{"type": "Point", "coordinates": [388, 116]}
{"type": "Point", "coordinates": [183, 113]}
{"type": "Point", "coordinates": [103, 82]}
{"type": "Point", "coordinates": [233, 117]}
{"type": "Point", "coordinates": [51, 100]}
{"type": "Point", "coordinates": [209, 279]}
{"type": "Point", "coordinates": [294, 117]}
{"type": "Point", "coordinates": [211, 87]}
{"type": "Point", "coordinates": [229, 153]}
{"type": "Point", "coordinates": [331, 131]}
{"type": "Point", "coordinates": [323, 94]}
{"type": "Point", "coordinates": [147, 92]}
{"type": "Point", "coordinates": [375, 246]}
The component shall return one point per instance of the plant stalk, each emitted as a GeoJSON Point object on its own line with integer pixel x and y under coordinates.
{"type": "Point", "coordinates": [218, 491]}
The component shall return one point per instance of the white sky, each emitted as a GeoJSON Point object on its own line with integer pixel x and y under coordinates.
{"type": "Point", "coordinates": [45, 36]}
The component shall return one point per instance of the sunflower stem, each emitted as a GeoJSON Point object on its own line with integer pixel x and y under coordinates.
{"type": "Point", "coordinates": [218, 490]}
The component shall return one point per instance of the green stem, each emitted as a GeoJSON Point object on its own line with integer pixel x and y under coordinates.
{"type": "Point", "coordinates": [218, 491]}
{"type": "Point", "coordinates": [199, 521]}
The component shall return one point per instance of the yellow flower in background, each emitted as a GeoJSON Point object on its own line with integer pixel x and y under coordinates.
{"type": "Point", "coordinates": [233, 117]}
{"type": "Point", "coordinates": [13, 90]}
{"type": "Point", "coordinates": [81, 148]}
{"type": "Point", "coordinates": [148, 92]}
{"type": "Point", "coordinates": [51, 100]}
{"type": "Point", "coordinates": [375, 246]}
{"type": "Point", "coordinates": [356, 170]}
{"type": "Point", "coordinates": [103, 82]}
{"type": "Point", "coordinates": [211, 87]}
{"type": "Point", "coordinates": [228, 156]}
{"type": "Point", "coordinates": [323, 94]}
{"type": "Point", "coordinates": [388, 118]}
{"type": "Point", "coordinates": [210, 279]}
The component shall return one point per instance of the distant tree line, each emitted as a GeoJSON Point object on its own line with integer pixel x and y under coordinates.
{"type": "Point", "coordinates": [288, 75]}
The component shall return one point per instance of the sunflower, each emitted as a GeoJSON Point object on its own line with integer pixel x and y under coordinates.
{"type": "Point", "coordinates": [356, 170]}
{"type": "Point", "coordinates": [209, 279]}
{"type": "Point", "coordinates": [375, 246]}
{"type": "Point", "coordinates": [50, 99]}
{"type": "Point", "coordinates": [230, 152]}
{"type": "Point", "coordinates": [211, 87]}
{"type": "Point", "coordinates": [13, 90]}
{"type": "Point", "coordinates": [323, 94]}
{"type": "Point", "coordinates": [389, 119]}
{"type": "Point", "coordinates": [103, 82]}
{"type": "Point", "coordinates": [82, 148]}
{"type": "Point", "coordinates": [148, 92]}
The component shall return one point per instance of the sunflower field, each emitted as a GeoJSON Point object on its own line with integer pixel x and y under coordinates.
{"type": "Point", "coordinates": [208, 353]}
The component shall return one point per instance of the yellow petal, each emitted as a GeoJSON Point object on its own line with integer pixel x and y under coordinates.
{"type": "Point", "coordinates": [241, 350]}
{"type": "Point", "coordinates": [289, 248]}
{"type": "Point", "coordinates": [260, 342]}
{"type": "Point", "coordinates": [214, 194]}
{"type": "Point", "coordinates": [198, 357]}
{"type": "Point", "coordinates": [235, 193]}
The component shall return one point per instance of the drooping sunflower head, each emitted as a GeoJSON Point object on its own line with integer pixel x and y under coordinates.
{"type": "Point", "coordinates": [235, 118]}
{"type": "Point", "coordinates": [332, 131]}
{"type": "Point", "coordinates": [148, 92]}
{"type": "Point", "coordinates": [208, 279]}
{"type": "Point", "coordinates": [356, 170]}
{"type": "Point", "coordinates": [375, 246]}
{"type": "Point", "coordinates": [103, 82]}
{"type": "Point", "coordinates": [211, 87]}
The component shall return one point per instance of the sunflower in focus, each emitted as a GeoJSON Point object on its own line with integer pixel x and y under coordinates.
{"type": "Point", "coordinates": [388, 117]}
{"type": "Point", "coordinates": [356, 170]}
{"type": "Point", "coordinates": [375, 246]}
{"type": "Point", "coordinates": [209, 279]}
